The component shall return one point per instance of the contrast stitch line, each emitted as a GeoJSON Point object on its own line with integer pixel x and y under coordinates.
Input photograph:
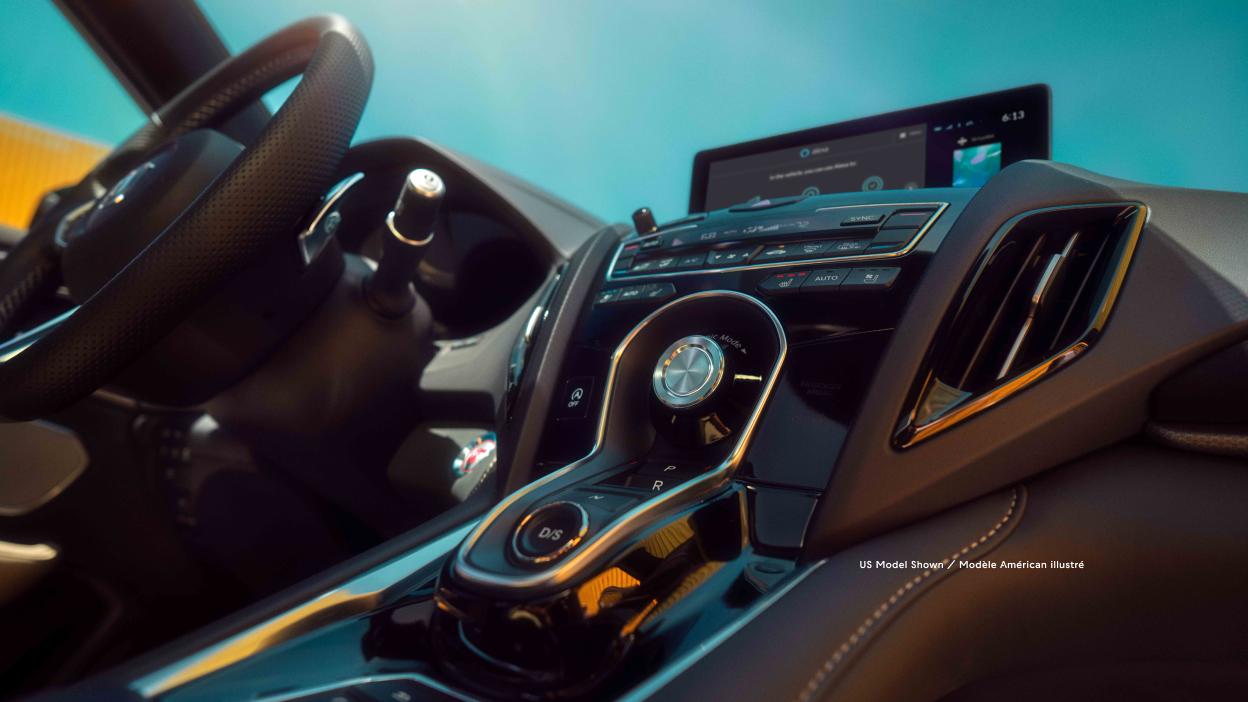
{"type": "Point", "coordinates": [830, 665]}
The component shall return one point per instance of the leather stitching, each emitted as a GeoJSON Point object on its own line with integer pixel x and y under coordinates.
{"type": "Point", "coordinates": [830, 665]}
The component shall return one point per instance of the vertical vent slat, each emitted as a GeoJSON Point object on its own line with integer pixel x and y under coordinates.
{"type": "Point", "coordinates": [1045, 285]}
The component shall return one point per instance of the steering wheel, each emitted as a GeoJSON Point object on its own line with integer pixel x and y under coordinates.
{"type": "Point", "coordinates": [259, 197]}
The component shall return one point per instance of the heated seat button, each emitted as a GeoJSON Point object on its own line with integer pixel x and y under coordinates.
{"type": "Point", "coordinates": [782, 283]}
{"type": "Point", "coordinates": [825, 281]}
{"type": "Point", "coordinates": [575, 401]}
{"type": "Point", "coordinates": [870, 279]}
{"type": "Point", "coordinates": [606, 297]}
{"type": "Point", "coordinates": [658, 292]}
{"type": "Point", "coordinates": [550, 531]}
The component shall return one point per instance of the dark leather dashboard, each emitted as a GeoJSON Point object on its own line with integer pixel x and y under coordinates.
{"type": "Point", "coordinates": [1184, 299]}
{"type": "Point", "coordinates": [1163, 540]}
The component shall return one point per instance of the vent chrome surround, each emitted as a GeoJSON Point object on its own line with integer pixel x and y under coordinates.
{"type": "Point", "coordinates": [948, 406]}
{"type": "Point", "coordinates": [635, 520]}
{"type": "Point", "coordinates": [940, 209]}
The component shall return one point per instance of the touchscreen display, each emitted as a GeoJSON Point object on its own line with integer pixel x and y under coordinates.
{"type": "Point", "coordinates": [961, 143]}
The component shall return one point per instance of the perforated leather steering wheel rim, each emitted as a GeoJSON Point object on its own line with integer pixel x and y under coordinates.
{"type": "Point", "coordinates": [260, 197]}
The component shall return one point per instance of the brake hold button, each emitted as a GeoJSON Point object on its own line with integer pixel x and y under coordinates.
{"type": "Point", "coordinates": [550, 531]}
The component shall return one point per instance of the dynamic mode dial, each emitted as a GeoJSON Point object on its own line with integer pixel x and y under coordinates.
{"type": "Point", "coordinates": [688, 372]}
{"type": "Point", "coordinates": [704, 387]}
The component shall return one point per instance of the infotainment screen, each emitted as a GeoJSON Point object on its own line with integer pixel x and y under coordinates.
{"type": "Point", "coordinates": [959, 143]}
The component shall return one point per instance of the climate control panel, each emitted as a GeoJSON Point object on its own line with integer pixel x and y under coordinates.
{"type": "Point", "coordinates": [775, 233]}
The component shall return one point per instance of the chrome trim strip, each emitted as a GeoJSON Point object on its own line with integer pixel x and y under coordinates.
{"type": "Point", "coordinates": [71, 218]}
{"type": "Point", "coordinates": [362, 594]}
{"type": "Point", "coordinates": [910, 434]}
{"type": "Point", "coordinates": [363, 680]}
{"type": "Point", "coordinates": [26, 339]}
{"type": "Point", "coordinates": [940, 210]}
{"type": "Point", "coordinates": [632, 521]}
{"type": "Point", "coordinates": [26, 553]}
{"type": "Point", "coordinates": [400, 237]}
{"type": "Point", "coordinates": [668, 673]}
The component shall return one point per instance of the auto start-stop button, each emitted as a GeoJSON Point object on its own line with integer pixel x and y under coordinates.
{"type": "Point", "coordinates": [550, 531]}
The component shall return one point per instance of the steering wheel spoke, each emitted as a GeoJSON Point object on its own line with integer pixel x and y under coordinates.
{"type": "Point", "coordinates": [260, 196]}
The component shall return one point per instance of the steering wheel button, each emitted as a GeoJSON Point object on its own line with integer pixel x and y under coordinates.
{"type": "Point", "coordinates": [550, 532]}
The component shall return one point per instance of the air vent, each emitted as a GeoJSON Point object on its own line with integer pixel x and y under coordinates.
{"type": "Point", "coordinates": [1040, 295]}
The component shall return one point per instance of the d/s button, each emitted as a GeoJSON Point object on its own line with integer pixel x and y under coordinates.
{"type": "Point", "coordinates": [550, 532]}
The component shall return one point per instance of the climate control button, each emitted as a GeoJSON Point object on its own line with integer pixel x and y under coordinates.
{"type": "Point", "coordinates": [550, 531]}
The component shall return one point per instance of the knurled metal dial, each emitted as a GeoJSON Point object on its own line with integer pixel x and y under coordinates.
{"type": "Point", "coordinates": [688, 372]}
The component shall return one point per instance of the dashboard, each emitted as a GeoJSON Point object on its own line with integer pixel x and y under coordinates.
{"type": "Point", "coordinates": [898, 336]}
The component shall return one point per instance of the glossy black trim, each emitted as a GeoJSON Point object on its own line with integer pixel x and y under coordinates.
{"type": "Point", "coordinates": [1036, 93]}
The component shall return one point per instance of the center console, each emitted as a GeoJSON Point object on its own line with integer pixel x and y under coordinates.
{"type": "Point", "coordinates": [711, 369]}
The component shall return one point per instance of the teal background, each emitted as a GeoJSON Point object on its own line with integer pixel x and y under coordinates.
{"type": "Point", "coordinates": [606, 103]}
{"type": "Point", "coordinates": [49, 75]}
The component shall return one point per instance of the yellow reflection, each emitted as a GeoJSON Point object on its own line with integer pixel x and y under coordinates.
{"type": "Point", "coordinates": [591, 593]}
{"type": "Point", "coordinates": [34, 160]}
